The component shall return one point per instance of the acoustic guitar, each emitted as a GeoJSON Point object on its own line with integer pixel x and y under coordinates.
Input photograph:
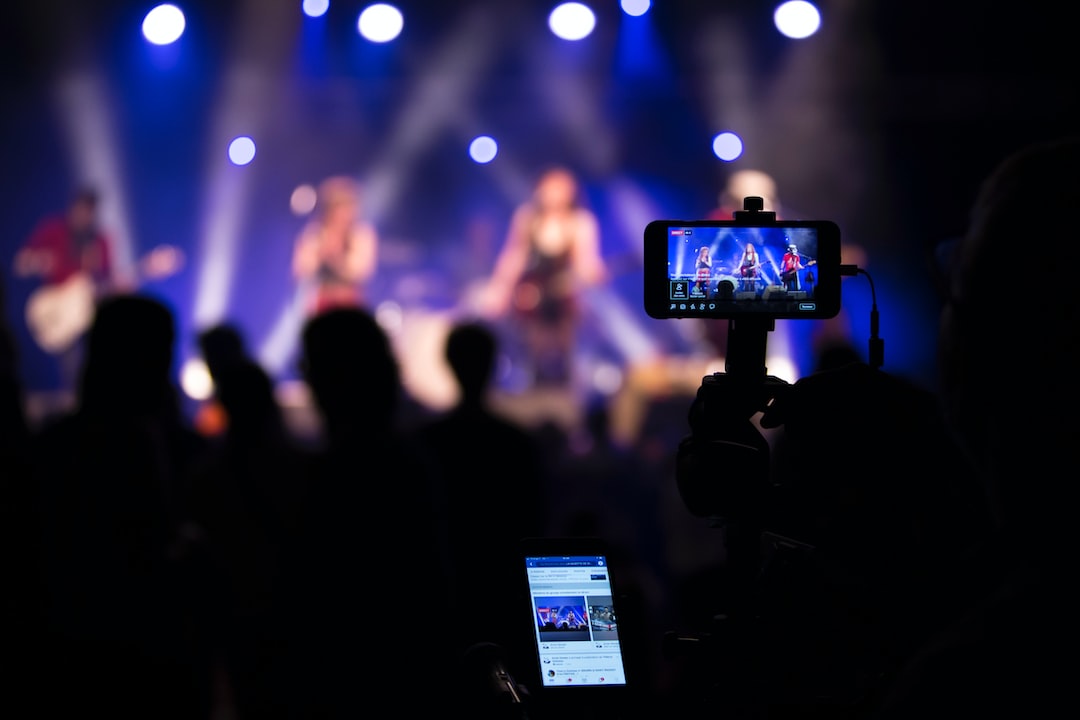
{"type": "Point", "coordinates": [58, 313]}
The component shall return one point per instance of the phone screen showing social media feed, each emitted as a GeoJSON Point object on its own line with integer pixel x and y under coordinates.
{"type": "Point", "coordinates": [769, 270]}
{"type": "Point", "coordinates": [576, 626]}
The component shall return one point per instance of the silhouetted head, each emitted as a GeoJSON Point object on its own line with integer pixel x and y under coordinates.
{"type": "Point", "coordinates": [471, 350]}
{"type": "Point", "coordinates": [835, 354]}
{"type": "Point", "coordinates": [129, 356]}
{"type": "Point", "coordinates": [222, 346]}
{"type": "Point", "coordinates": [349, 365]}
{"type": "Point", "coordinates": [246, 391]}
{"type": "Point", "coordinates": [1007, 348]}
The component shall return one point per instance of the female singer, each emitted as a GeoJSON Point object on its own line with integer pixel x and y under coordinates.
{"type": "Point", "coordinates": [336, 251]}
{"type": "Point", "coordinates": [551, 252]}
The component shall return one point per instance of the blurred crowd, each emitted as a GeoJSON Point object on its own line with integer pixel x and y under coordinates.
{"type": "Point", "coordinates": [856, 547]}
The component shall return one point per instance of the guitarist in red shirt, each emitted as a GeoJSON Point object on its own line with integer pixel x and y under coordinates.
{"type": "Point", "coordinates": [63, 245]}
{"type": "Point", "coordinates": [67, 250]}
{"type": "Point", "coordinates": [790, 265]}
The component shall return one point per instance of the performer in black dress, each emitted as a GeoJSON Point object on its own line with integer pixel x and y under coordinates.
{"type": "Point", "coordinates": [550, 254]}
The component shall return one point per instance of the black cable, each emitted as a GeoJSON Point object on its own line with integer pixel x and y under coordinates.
{"type": "Point", "coordinates": [876, 344]}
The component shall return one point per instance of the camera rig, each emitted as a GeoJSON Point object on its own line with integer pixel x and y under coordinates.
{"type": "Point", "coordinates": [723, 434]}
{"type": "Point", "coordinates": [724, 474]}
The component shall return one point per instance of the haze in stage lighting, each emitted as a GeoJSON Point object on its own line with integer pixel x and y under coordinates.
{"type": "Point", "coordinates": [195, 379]}
{"type": "Point", "coordinates": [380, 23]}
{"type": "Point", "coordinates": [163, 25]}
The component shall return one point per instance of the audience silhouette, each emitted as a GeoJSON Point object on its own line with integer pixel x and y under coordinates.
{"type": "Point", "coordinates": [16, 517]}
{"type": "Point", "coordinates": [871, 508]}
{"type": "Point", "coordinates": [222, 346]}
{"type": "Point", "coordinates": [913, 559]}
{"type": "Point", "coordinates": [14, 426]}
{"type": "Point", "coordinates": [1006, 396]}
{"type": "Point", "coordinates": [121, 591]}
{"type": "Point", "coordinates": [366, 579]}
{"type": "Point", "coordinates": [245, 501]}
{"type": "Point", "coordinates": [493, 485]}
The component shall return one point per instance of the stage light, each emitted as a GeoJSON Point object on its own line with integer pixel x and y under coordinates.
{"type": "Point", "coordinates": [435, 104]}
{"type": "Point", "coordinates": [637, 8]}
{"type": "Point", "coordinates": [302, 200]}
{"type": "Point", "coordinates": [163, 25]}
{"type": "Point", "coordinates": [797, 19]}
{"type": "Point", "coordinates": [316, 8]}
{"type": "Point", "coordinates": [242, 150]}
{"type": "Point", "coordinates": [380, 23]}
{"type": "Point", "coordinates": [243, 100]}
{"type": "Point", "coordinates": [572, 21]}
{"type": "Point", "coordinates": [195, 379]}
{"type": "Point", "coordinates": [607, 378]}
{"type": "Point", "coordinates": [483, 149]}
{"type": "Point", "coordinates": [727, 146]}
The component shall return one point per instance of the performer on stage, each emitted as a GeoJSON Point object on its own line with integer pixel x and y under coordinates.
{"type": "Point", "coordinates": [703, 266]}
{"type": "Point", "coordinates": [749, 266]}
{"type": "Point", "coordinates": [67, 251]}
{"type": "Point", "coordinates": [550, 254]}
{"type": "Point", "coordinates": [63, 245]}
{"type": "Point", "coordinates": [337, 251]}
{"type": "Point", "coordinates": [790, 265]}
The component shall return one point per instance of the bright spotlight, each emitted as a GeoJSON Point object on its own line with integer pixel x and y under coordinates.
{"type": "Point", "coordinates": [242, 150]}
{"type": "Point", "coordinates": [636, 8]}
{"type": "Point", "coordinates": [483, 149]}
{"type": "Point", "coordinates": [572, 21]}
{"type": "Point", "coordinates": [195, 379]}
{"type": "Point", "coordinates": [607, 378]}
{"type": "Point", "coordinates": [727, 146]}
{"type": "Point", "coordinates": [163, 25]}
{"type": "Point", "coordinates": [797, 19]}
{"type": "Point", "coordinates": [380, 22]}
{"type": "Point", "coordinates": [390, 316]}
{"type": "Point", "coordinates": [316, 8]}
{"type": "Point", "coordinates": [302, 200]}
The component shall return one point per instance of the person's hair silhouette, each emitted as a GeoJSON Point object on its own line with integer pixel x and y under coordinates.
{"type": "Point", "coordinates": [349, 365]}
{"type": "Point", "coordinates": [1004, 360]}
{"type": "Point", "coordinates": [1001, 353]}
{"type": "Point", "coordinates": [369, 525]}
{"type": "Point", "coordinates": [129, 357]}
{"type": "Point", "coordinates": [222, 346]}
{"type": "Point", "coordinates": [120, 572]}
{"type": "Point", "coordinates": [471, 353]}
{"type": "Point", "coordinates": [492, 480]}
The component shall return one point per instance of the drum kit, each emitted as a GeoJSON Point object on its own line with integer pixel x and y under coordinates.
{"type": "Point", "coordinates": [725, 282]}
